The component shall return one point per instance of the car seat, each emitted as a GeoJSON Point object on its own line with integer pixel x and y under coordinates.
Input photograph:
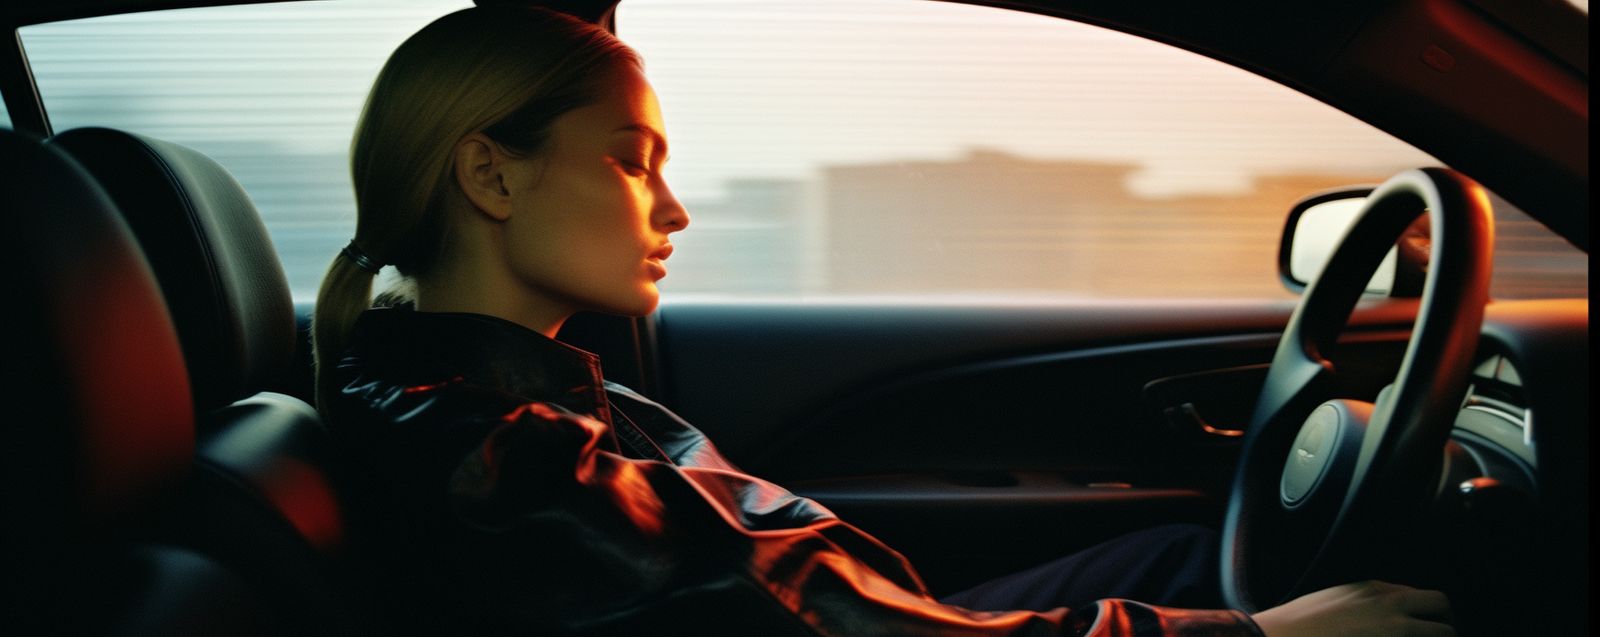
{"type": "Point", "coordinates": [263, 498]}
{"type": "Point", "coordinates": [99, 435]}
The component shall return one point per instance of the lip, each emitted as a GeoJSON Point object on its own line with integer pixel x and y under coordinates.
{"type": "Point", "coordinates": [654, 261]}
{"type": "Point", "coordinates": [657, 269]}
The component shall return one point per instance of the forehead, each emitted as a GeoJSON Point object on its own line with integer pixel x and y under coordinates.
{"type": "Point", "coordinates": [623, 97]}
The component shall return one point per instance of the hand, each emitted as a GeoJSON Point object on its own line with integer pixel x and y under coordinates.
{"type": "Point", "coordinates": [1362, 608]}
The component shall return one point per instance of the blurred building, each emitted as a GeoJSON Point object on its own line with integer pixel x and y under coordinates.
{"type": "Point", "coordinates": [990, 222]}
{"type": "Point", "coordinates": [994, 222]}
{"type": "Point", "coordinates": [985, 221]}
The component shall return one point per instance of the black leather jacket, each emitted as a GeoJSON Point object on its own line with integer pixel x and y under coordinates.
{"type": "Point", "coordinates": [514, 489]}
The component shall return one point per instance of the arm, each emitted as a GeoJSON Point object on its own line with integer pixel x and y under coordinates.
{"type": "Point", "coordinates": [583, 539]}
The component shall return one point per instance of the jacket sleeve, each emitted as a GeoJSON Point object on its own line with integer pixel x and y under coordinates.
{"type": "Point", "coordinates": [557, 534]}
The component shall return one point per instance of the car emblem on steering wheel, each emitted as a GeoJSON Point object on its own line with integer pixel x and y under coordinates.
{"type": "Point", "coordinates": [1308, 461]}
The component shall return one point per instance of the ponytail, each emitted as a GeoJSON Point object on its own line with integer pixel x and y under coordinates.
{"type": "Point", "coordinates": [346, 292]}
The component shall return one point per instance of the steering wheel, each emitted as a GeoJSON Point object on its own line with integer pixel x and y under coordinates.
{"type": "Point", "coordinates": [1320, 481]}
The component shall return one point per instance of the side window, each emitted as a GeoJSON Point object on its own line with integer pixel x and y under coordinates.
{"type": "Point", "coordinates": [272, 91]}
{"type": "Point", "coordinates": [889, 147]}
{"type": "Point", "coordinates": [1530, 261]}
{"type": "Point", "coordinates": [824, 147]}
{"type": "Point", "coordinates": [5, 116]}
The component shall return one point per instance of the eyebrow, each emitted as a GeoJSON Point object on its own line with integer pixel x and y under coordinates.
{"type": "Point", "coordinates": [660, 140]}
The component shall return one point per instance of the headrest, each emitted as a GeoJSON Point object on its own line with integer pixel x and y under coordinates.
{"type": "Point", "coordinates": [213, 258]}
{"type": "Point", "coordinates": [97, 399]}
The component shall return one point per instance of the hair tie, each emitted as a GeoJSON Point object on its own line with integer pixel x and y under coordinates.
{"type": "Point", "coordinates": [366, 263]}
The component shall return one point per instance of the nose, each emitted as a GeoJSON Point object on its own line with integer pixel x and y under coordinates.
{"type": "Point", "coordinates": [669, 214]}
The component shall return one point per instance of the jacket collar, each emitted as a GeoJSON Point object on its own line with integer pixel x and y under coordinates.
{"type": "Point", "coordinates": [430, 347]}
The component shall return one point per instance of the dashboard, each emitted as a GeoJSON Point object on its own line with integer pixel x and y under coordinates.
{"type": "Point", "coordinates": [1493, 434]}
{"type": "Point", "coordinates": [1513, 496]}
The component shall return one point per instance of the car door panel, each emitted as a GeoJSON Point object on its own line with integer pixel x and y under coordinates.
{"type": "Point", "coordinates": [1042, 428]}
{"type": "Point", "coordinates": [756, 375]}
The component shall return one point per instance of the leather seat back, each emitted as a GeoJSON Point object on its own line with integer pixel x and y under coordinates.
{"type": "Point", "coordinates": [211, 254]}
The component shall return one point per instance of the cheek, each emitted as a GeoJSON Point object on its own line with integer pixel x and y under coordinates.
{"type": "Point", "coordinates": [583, 232]}
{"type": "Point", "coordinates": [599, 231]}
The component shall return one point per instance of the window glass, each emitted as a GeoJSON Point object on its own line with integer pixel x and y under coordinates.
{"type": "Point", "coordinates": [888, 147]}
{"type": "Point", "coordinates": [824, 147]}
{"type": "Point", "coordinates": [270, 91]}
{"type": "Point", "coordinates": [5, 116]}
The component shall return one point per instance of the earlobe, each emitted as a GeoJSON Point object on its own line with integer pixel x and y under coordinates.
{"type": "Point", "coordinates": [478, 172]}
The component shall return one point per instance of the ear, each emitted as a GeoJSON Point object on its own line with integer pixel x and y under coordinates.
{"type": "Point", "coordinates": [478, 167]}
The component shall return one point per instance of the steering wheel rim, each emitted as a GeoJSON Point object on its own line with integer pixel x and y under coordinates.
{"type": "Point", "coordinates": [1314, 476]}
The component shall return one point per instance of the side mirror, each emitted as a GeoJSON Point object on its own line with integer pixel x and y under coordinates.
{"type": "Point", "coordinates": [1317, 225]}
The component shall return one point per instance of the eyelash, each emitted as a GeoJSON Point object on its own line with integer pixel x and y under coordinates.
{"type": "Point", "coordinates": [635, 167]}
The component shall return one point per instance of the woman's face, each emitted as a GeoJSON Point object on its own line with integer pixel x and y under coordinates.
{"type": "Point", "coordinates": [591, 212]}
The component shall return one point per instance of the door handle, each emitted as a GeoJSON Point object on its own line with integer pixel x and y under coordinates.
{"type": "Point", "coordinates": [1226, 394]}
{"type": "Point", "coordinates": [1186, 419]}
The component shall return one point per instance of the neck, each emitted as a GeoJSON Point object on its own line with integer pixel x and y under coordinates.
{"type": "Point", "coordinates": [472, 286]}
{"type": "Point", "coordinates": [471, 275]}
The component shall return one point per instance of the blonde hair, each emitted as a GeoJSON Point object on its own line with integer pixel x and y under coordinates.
{"type": "Point", "coordinates": [506, 71]}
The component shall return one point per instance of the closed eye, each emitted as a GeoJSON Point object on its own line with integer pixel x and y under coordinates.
{"type": "Point", "coordinates": [636, 169]}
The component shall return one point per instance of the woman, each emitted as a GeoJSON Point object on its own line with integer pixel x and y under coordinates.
{"type": "Point", "coordinates": [508, 163]}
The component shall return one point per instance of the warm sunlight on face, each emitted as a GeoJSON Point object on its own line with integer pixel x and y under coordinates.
{"type": "Point", "coordinates": [589, 231]}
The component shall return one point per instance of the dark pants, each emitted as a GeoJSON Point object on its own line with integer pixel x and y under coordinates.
{"type": "Point", "coordinates": [1173, 565]}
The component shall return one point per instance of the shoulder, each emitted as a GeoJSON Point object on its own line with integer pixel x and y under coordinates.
{"type": "Point", "coordinates": [446, 415]}
{"type": "Point", "coordinates": [417, 399]}
{"type": "Point", "coordinates": [440, 423]}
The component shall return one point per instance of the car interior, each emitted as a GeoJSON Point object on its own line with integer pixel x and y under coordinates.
{"type": "Point", "coordinates": [168, 474]}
